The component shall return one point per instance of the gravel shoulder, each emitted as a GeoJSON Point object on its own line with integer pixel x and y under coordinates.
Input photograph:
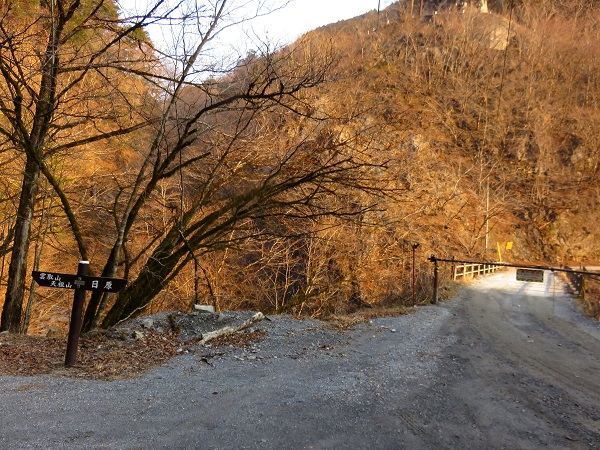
{"type": "Point", "coordinates": [487, 370]}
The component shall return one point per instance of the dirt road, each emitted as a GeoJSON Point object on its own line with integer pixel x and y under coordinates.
{"type": "Point", "coordinates": [524, 371]}
{"type": "Point", "coordinates": [507, 365]}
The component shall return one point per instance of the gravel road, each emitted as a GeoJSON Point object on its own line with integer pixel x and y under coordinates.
{"type": "Point", "coordinates": [506, 365]}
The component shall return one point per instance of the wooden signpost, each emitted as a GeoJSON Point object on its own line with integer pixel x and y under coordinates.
{"type": "Point", "coordinates": [80, 282]}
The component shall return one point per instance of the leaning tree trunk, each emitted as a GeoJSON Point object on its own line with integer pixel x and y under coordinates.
{"type": "Point", "coordinates": [137, 296]}
{"type": "Point", "coordinates": [15, 289]}
{"type": "Point", "coordinates": [151, 280]}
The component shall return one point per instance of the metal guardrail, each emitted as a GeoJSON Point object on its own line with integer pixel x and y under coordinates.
{"type": "Point", "coordinates": [435, 259]}
{"type": "Point", "coordinates": [472, 268]}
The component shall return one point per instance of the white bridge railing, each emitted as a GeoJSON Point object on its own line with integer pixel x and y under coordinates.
{"type": "Point", "coordinates": [468, 271]}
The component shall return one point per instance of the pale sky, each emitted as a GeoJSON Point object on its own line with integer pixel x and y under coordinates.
{"type": "Point", "coordinates": [303, 15]}
{"type": "Point", "coordinates": [285, 25]}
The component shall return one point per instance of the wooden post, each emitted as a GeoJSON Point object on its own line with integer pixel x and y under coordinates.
{"type": "Point", "coordinates": [76, 313]}
{"type": "Point", "coordinates": [80, 283]}
{"type": "Point", "coordinates": [414, 246]}
{"type": "Point", "coordinates": [436, 271]}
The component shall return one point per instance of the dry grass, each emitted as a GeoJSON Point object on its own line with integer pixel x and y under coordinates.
{"type": "Point", "coordinates": [592, 297]}
{"type": "Point", "coordinates": [345, 321]}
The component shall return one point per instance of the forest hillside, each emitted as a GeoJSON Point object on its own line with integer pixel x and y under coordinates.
{"type": "Point", "coordinates": [300, 179]}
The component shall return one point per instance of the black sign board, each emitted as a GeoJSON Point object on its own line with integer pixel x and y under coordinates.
{"type": "Point", "coordinates": [87, 283]}
{"type": "Point", "coordinates": [535, 275]}
{"type": "Point", "coordinates": [80, 282]}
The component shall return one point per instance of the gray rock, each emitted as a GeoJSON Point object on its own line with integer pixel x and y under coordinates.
{"type": "Point", "coordinates": [137, 335]}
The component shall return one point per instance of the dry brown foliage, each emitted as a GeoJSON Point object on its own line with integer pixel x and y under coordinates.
{"type": "Point", "coordinates": [453, 122]}
{"type": "Point", "coordinates": [592, 297]}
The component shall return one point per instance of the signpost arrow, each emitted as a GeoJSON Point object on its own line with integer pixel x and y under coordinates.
{"type": "Point", "coordinates": [80, 282]}
{"type": "Point", "coordinates": [87, 283]}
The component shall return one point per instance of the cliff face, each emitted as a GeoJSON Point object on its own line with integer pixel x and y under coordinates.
{"type": "Point", "coordinates": [490, 30]}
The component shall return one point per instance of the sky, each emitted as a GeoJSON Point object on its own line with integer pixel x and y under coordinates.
{"type": "Point", "coordinates": [287, 24]}
{"type": "Point", "coordinates": [301, 16]}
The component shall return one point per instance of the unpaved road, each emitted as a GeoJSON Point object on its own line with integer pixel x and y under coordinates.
{"type": "Point", "coordinates": [507, 365]}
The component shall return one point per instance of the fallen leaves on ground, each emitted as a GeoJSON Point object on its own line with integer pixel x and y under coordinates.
{"type": "Point", "coordinates": [101, 357]}
{"type": "Point", "coordinates": [241, 340]}
{"type": "Point", "coordinates": [98, 357]}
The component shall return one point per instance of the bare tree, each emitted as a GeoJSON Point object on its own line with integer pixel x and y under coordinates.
{"type": "Point", "coordinates": [55, 63]}
{"type": "Point", "coordinates": [196, 140]}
